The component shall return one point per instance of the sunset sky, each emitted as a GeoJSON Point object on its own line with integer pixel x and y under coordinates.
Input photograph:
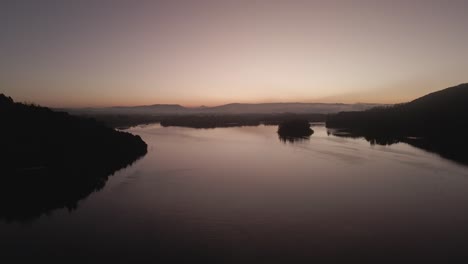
{"type": "Point", "coordinates": [103, 53]}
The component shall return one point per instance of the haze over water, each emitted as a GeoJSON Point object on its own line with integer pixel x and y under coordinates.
{"type": "Point", "coordinates": [238, 195]}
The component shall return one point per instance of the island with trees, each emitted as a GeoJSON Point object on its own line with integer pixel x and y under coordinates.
{"type": "Point", "coordinates": [294, 130]}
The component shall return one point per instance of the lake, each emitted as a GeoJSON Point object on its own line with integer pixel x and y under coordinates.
{"type": "Point", "coordinates": [242, 195]}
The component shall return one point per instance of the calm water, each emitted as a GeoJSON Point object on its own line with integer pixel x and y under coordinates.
{"type": "Point", "coordinates": [240, 195]}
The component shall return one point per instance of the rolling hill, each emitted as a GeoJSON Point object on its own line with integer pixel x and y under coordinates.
{"type": "Point", "coordinates": [52, 160]}
{"type": "Point", "coordinates": [441, 113]}
{"type": "Point", "coordinates": [437, 122]}
{"type": "Point", "coordinates": [234, 108]}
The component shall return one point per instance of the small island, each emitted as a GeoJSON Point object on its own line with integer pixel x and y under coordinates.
{"type": "Point", "coordinates": [52, 160]}
{"type": "Point", "coordinates": [295, 128]}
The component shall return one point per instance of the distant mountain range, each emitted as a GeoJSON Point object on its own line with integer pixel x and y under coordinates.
{"type": "Point", "coordinates": [234, 108]}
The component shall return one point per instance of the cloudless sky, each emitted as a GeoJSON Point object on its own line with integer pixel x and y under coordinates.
{"type": "Point", "coordinates": [111, 52]}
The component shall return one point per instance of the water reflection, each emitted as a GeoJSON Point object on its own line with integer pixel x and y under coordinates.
{"type": "Point", "coordinates": [453, 149]}
{"type": "Point", "coordinates": [239, 195]}
{"type": "Point", "coordinates": [28, 194]}
{"type": "Point", "coordinates": [289, 139]}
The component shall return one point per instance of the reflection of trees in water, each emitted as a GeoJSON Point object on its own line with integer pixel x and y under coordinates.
{"type": "Point", "coordinates": [30, 193]}
{"type": "Point", "coordinates": [452, 148]}
{"type": "Point", "coordinates": [288, 139]}
{"type": "Point", "coordinates": [382, 141]}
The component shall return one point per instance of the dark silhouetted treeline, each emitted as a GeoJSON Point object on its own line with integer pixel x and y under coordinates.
{"type": "Point", "coordinates": [441, 113]}
{"type": "Point", "coordinates": [122, 121]}
{"type": "Point", "coordinates": [212, 121]}
{"type": "Point", "coordinates": [437, 122]}
{"type": "Point", "coordinates": [52, 160]}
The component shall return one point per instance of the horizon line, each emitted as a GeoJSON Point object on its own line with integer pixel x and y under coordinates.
{"type": "Point", "coordinates": [219, 105]}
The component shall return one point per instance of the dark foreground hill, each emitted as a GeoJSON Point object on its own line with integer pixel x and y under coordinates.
{"type": "Point", "coordinates": [437, 122]}
{"type": "Point", "coordinates": [52, 160]}
{"type": "Point", "coordinates": [441, 113]}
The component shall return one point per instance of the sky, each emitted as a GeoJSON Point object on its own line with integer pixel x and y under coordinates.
{"type": "Point", "coordinates": [84, 53]}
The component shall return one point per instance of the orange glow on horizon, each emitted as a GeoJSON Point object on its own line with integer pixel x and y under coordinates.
{"type": "Point", "coordinates": [218, 52]}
